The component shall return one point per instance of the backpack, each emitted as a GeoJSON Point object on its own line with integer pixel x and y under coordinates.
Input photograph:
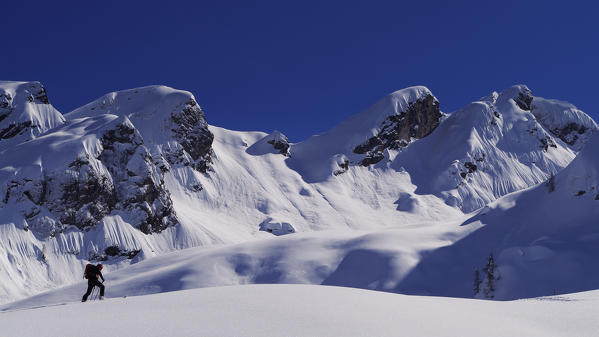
{"type": "Point", "coordinates": [89, 269]}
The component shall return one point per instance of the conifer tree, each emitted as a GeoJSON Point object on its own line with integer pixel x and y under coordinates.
{"type": "Point", "coordinates": [477, 281]}
{"type": "Point", "coordinates": [489, 289]}
{"type": "Point", "coordinates": [551, 183]}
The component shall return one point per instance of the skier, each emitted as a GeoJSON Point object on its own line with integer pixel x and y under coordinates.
{"type": "Point", "coordinates": [92, 273]}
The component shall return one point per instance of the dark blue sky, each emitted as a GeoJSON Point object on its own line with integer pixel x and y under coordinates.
{"type": "Point", "coordinates": [301, 67]}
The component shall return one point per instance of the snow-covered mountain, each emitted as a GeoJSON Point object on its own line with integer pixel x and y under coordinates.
{"type": "Point", "coordinates": [544, 240]}
{"type": "Point", "coordinates": [139, 172]}
{"type": "Point", "coordinates": [490, 148]}
{"type": "Point", "coordinates": [25, 112]}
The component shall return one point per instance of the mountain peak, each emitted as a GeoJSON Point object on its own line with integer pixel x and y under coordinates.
{"type": "Point", "coordinates": [141, 102]}
{"type": "Point", "coordinates": [520, 94]}
{"type": "Point", "coordinates": [392, 123]}
{"type": "Point", "coordinates": [25, 111]}
{"type": "Point", "coordinates": [398, 101]}
{"type": "Point", "coordinates": [160, 114]}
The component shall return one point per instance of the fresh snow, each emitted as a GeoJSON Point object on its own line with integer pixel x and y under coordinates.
{"type": "Point", "coordinates": [300, 310]}
{"type": "Point", "coordinates": [148, 108]}
{"type": "Point", "coordinates": [376, 227]}
{"type": "Point", "coordinates": [509, 149]}
{"type": "Point", "coordinates": [25, 112]}
{"type": "Point", "coordinates": [317, 157]}
{"type": "Point", "coordinates": [544, 240]}
{"type": "Point", "coordinates": [345, 258]}
{"type": "Point", "coordinates": [557, 116]}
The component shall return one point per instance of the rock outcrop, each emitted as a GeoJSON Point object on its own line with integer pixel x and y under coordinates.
{"type": "Point", "coordinates": [275, 143]}
{"type": "Point", "coordinates": [277, 228]}
{"type": "Point", "coordinates": [564, 121]}
{"type": "Point", "coordinates": [418, 120]}
{"type": "Point", "coordinates": [191, 131]}
{"type": "Point", "coordinates": [117, 175]}
{"type": "Point", "coordinates": [139, 180]}
{"type": "Point", "coordinates": [280, 142]}
{"type": "Point", "coordinates": [25, 111]}
{"type": "Point", "coordinates": [98, 163]}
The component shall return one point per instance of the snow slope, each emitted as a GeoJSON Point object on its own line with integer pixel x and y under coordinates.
{"type": "Point", "coordinates": [25, 112]}
{"type": "Point", "coordinates": [564, 120]}
{"type": "Point", "coordinates": [485, 150]}
{"type": "Point", "coordinates": [299, 310]}
{"type": "Point", "coordinates": [347, 258]}
{"type": "Point", "coordinates": [139, 173]}
{"type": "Point", "coordinates": [319, 156]}
{"type": "Point", "coordinates": [51, 231]}
{"type": "Point", "coordinates": [544, 240]}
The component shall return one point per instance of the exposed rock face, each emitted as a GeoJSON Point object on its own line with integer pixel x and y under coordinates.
{"type": "Point", "coordinates": [545, 138]}
{"type": "Point", "coordinates": [372, 158]}
{"type": "Point", "coordinates": [41, 96]}
{"type": "Point", "coordinates": [5, 101]}
{"type": "Point", "coordinates": [546, 143]}
{"type": "Point", "coordinates": [113, 252]}
{"type": "Point", "coordinates": [139, 181]}
{"type": "Point", "coordinates": [564, 121]}
{"type": "Point", "coordinates": [79, 195]}
{"type": "Point", "coordinates": [171, 122]}
{"type": "Point", "coordinates": [524, 99]}
{"type": "Point", "coordinates": [14, 129]}
{"type": "Point", "coordinates": [25, 111]}
{"type": "Point", "coordinates": [106, 167]}
{"type": "Point", "coordinates": [190, 129]}
{"type": "Point", "coordinates": [470, 168]}
{"type": "Point", "coordinates": [570, 133]}
{"type": "Point", "coordinates": [343, 167]}
{"type": "Point", "coordinates": [122, 177]}
{"type": "Point", "coordinates": [417, 121]}
{"type": "Point", "coordinates": [280, 142]}
{"type": "Point", "coordinates": [274, 143]}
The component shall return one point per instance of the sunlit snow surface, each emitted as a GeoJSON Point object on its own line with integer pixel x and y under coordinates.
{"type": "Point", "coordinates": [305, 310]}
{"type": "Point", "coordinates": [402, 225]}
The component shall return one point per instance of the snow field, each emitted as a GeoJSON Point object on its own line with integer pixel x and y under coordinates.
{"type": "Point", "coordinates": [305, 310]}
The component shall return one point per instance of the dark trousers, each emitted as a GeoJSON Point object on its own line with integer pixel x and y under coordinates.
{"type": "Point", "coordinates": [91, 283]}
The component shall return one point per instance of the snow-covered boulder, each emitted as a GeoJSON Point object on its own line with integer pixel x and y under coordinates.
{"type": "Point", "coordinates": [276, 227]}
{"type": "Point", "coordinates": [275, 142]}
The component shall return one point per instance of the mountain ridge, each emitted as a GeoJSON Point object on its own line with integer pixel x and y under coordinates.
{"type": "Point", "coordinates": [138, 173]}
